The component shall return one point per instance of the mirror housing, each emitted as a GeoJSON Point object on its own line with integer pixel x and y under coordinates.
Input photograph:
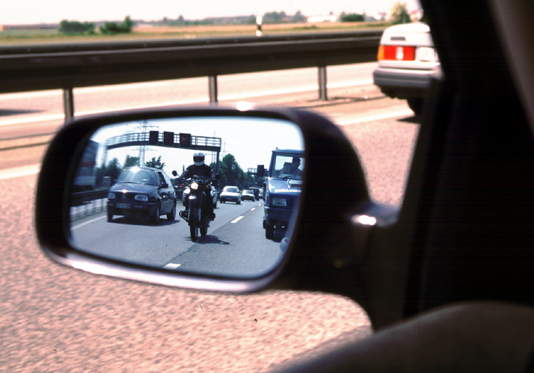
{"type": "Point", "coordinates": [323, 219]}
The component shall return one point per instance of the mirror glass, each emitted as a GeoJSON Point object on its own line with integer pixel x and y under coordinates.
{"type": "Point", "coordinates": [209, 195]}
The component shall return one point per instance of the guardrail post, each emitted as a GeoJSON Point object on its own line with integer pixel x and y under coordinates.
{"type": "Point", "coordinates": [68, 102]}
{"type": "Point", "coordinates": [323, 93]}
{"type": "Point", "coordinates": [213, 89]}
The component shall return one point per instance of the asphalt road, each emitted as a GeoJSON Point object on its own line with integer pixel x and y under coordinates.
{"type": "Point", "coordinates": [56, 319]}
{"type": "Point", "coordinates": [235, 244]}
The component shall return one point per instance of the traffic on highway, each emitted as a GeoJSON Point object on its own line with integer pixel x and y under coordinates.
{"type": "Point", "coordinates": [188, 194]}
{"type": "Point", "coordinates": [240, 241]}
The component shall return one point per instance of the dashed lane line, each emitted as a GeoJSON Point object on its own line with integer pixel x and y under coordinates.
{"type": "Point", "coordinates": [172, 266]}
{"type": "Point", "coordinates": [12, 173]}
{"type": "Point", "coordinates": [237, 219]}
{"type": "Point", "coordinates": [374, 117]}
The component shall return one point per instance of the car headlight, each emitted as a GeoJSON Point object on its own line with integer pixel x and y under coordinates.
{"type": "Point", "coordinates": [141, 197]}
{"type": "Point", "coordinates": [194, 186]}
{"type": "Point", "coordinates": [280, 202]}
{"type": "Point", "coordinates": [111, 195]}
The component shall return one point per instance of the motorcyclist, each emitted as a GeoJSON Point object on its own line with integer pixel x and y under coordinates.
{"type": "Point", "coordinates": [201, 169]}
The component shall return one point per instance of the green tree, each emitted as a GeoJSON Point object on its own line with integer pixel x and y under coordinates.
{"type": "Point", "coordinates": [111, 28]}
{"type": "Point", "coordinates": [113, 170]}
{"type": "Point", "coordinates": [75, 27]}
{"type": "Point", "coordinates": [399, 14]}
{"type": "Point", "coordinates": [298, 17]}
{"type": "Point", "coordinates": [230, 173]}
{"type": "Point", "coordinates": [131, 161]}
{"type": "Point", "coordinates": [155, 163]}
{"type": "Point", "coordinates": [274, 17]}
{"type": "Point", "coordinates": [351, 17]}
{"type": "Point", "coordinates": [127, 24]}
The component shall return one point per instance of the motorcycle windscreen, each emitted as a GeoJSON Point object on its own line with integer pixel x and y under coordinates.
{"type": "Point", "coordinates": [129, 193]}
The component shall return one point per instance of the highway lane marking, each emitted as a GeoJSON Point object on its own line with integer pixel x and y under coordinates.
{"type": "Point", "coordinates": [374, 117]}
{"type": "Point", "coordinates": [230, 97]}
{"type": "Point", "coordinates": [40, 118]}
{"type": "Point", "coordinates": [252, 209]}
{"type": "Point", "coordinates": [87, 222]}
{"type": "Point", "coordinates": [172, 266]}
{"type": "Point", "coordinates": [237, 219]}
{"type": "Point", "coordinates": [11, 173]}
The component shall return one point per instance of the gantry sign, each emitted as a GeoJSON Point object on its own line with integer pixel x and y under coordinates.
{"type": "Point", "coordinates": [166, 139]}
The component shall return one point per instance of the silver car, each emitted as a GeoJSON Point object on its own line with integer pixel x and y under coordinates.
{"type": "Point", "coordinates": [407, 61]}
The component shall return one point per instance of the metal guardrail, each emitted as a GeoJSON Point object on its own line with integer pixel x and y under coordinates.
{"type": "Point", "coordinates": [90, 208]}
{"type": "Point", "coordinates": [87, 203]}
{"type": "Point", "coordinates": [65, 66]}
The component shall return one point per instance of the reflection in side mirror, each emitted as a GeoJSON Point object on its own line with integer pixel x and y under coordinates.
{"type": "Point", "coordinates": [218, 215]}
{"type": "Point", "coordinates": [261, 170]}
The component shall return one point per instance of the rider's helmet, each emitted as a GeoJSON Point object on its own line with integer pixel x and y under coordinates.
{"type": "Point", "coordinates": [198, 158]}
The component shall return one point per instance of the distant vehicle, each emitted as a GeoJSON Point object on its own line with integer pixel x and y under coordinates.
{"type": "Point", "coordinates": [407, 61]}
{"type": "Point", "coordinates": [282, 190]}
{"type": "Point", "coordinates": [256, 191]}
{"type": "Point", "coordinates": [85, 178]}
{"type": "Point", "coordinates": [247, 194]}
{"type": "Point", "coordinates": [142, 192]}
{"type": "Point", "coordinates": [230, 193]}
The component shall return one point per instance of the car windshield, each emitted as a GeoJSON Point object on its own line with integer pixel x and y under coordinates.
{"type": "Point", "coordinates": [231, 190]}
{"type": "Point", "coordinates": [288, 166]}
{"type": "Point", "coordinates": [138, 176]}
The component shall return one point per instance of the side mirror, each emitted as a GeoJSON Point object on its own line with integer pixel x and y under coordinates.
{"type": "Point", "coordinates": [247, 246]}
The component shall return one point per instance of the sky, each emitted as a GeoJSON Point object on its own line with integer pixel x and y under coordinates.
{"type": "Point", "coordinates": [53, 11]}
{"type": "Point", "coordinates": [250, 140]}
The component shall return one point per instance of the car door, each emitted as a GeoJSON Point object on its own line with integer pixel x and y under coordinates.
{"type": "Point", "coordinates": [165, 193]}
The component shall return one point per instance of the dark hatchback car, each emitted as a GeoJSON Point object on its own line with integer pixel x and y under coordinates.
{"type": "Point", "coordinates": [142, 192]}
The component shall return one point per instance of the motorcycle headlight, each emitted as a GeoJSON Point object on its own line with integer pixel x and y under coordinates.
{"type": "Point", "coordinates": [141, 197]}
{"type": "Point", "coordinates": [111, 195]}
{"type": "Point", "coordinates": [194, 186]}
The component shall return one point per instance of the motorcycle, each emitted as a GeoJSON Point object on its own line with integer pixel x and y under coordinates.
{"type": "Point", "coordinates": [195, 199]}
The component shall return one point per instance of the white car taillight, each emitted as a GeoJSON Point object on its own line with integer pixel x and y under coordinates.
{"type": "Point", "coordinates": [426, 54]}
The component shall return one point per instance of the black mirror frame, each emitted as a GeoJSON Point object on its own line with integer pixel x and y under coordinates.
{"type": "Point", "coordinates": [327, 152]}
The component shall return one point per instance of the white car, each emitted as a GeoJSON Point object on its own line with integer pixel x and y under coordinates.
{"type": "Point", "coordinates": [248, 194]}
{"type": "Point", "coordinates": [407, 61]}
{"type": "Point", "coordinates": [230, 193]}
